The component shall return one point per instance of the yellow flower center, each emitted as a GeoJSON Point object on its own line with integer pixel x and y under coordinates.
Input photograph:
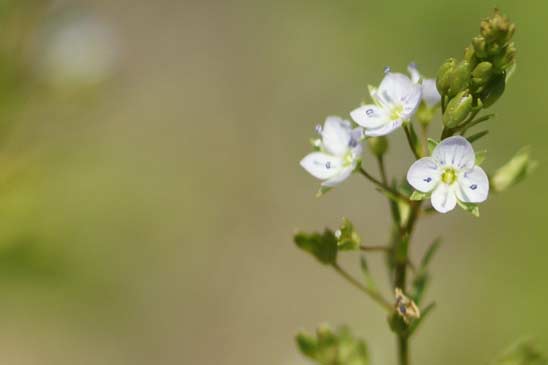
{"type": "Point", "coordinates": [449, 176]}
{"type": "Point", "coordinates": [396, 112]}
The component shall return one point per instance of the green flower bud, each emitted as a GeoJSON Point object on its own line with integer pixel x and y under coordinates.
{"type": "Point", "coordinates": [507, 59]}
{"type": "Point", "coordinates": [442, 80]}
{"type": "Point", "coordinates": [482, 73]}
{"type": "Point", "coordinates": [459, 78]}
{"type": "Point", "coordinates": [479, 45]}
{"type": "Point", "coordinates": [493, 91]}
{"type": "Point", "coordinates": [470, 55]}
{"type": "Point", "coordinates": [497, 29]}
{"type": "Point", "coordinates": [458, 109]}
{"type": "Point", "coordinates": [378, 145]}
{"type": "Point", "coordinates": [515, 170]}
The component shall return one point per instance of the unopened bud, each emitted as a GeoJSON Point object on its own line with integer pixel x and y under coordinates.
{"type": "Point", "coordinates": [458, 109]}
{"type": "Point", "coordinates": [479, 46]}
{"type": "Point", "coordinates": [459, 78]}
{"type": "Point", "coordinates": [497, 28]}
{"type": "Point", "coordinates": [378, 145]}
{"type": "Point", "coordinates": [493, 90]}
{"type": "Point", "coordinates": [482, 73]}
{"type": "Point", "coordinates": [444, 73]}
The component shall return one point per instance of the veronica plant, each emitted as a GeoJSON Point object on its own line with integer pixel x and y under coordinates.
{"type": "Point", "coordinates": [446, 174]}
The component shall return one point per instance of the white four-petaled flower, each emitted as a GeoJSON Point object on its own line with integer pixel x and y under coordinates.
{"type": "Point", "coordinates": [450, 174]}
{"type": "Point", "coordinates": [339, 152]}
{"type": "Point", "coordinates": [395, 101]}
{"type": "Point", "coordinates": [430, 94]}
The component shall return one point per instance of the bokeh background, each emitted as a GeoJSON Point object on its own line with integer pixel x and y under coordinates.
{"type": "Point", "coordinates": [149, 181]}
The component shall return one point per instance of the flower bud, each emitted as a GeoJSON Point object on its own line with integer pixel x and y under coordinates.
{"type": "Point", "coordinates": [493, 91]}
{"type": "Point", "coordinates": [442, 80]}
{"type": "Point", "coordinates": [507, 59]}
{"type": "Point", "coordinates": [479, 46]}
{"type": "Point", "coordinates": [497, 28]}
{"type": "Point", "coordinates": [470, 55]}
{"type": "Point", "coordinates": [458, 109]}
{"type": "Point", "coordinates": [482, 73]}
{"type": "Point", "coordinates": [459, 78]}
{"type": "Point", "coordinates": [515, 170]}
{"type": "Point", "coordinates": [378, 145]}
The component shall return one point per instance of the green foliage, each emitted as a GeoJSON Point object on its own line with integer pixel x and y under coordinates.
{"type": "Point", "coordinates": [432, 143]}
{"type": "Point", "coordinates": [418, 195]}
{"type": "Point", "coordinates": [322, 246]}
{"type": "Point", "coordinates": [347, 238]}
{"type": "Point", "coordinates": [523, 352]}
{"type": "Point", "coordinates": [480, 157]}
{"type": "Point", "coordinates": [422, 277]}
{"type": "Point", "coordinates": [519, 167]}
{"type": "Point", "coordinates": [330, 347]}
{"type": "Point", "coordinates": [470, 208]}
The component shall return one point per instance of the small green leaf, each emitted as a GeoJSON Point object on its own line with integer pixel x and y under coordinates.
{"type": "Point", "coordinates": [523, 352]}
{"type": "Point", "coordinates": [321, 246]}
{"type": "Point", "coordinates": [323, 190]}
{"type": "Point", "coordinates": [480, 157]}
{"type": "Point", "coordinates": [417, 195]}
{"type": "Point", "coordinates": [347, 238]}
{"type": "Point", "coordinates": [333, 347]}
{"type": "Point", "coordinates": [475, 137]}
{"type": "Point", "coordinates": [369, 282]}
{"type": "Point", "coordinates": [514, 171]}
{"type": "Point", "coordinates": [432, 249]}
{"type": "Point", "coordinates": [424, 313]}
{"type": "Point", "coordinates": [470, 207]}
{"type": "Point", "coordinates": [432, 143]}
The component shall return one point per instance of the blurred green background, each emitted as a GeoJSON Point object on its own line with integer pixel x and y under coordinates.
{"type": "Point", "coordinates": [149, 181]}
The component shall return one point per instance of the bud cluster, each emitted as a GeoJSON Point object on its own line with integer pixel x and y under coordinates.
{"type": "Point", "coordinates": [479, 79]}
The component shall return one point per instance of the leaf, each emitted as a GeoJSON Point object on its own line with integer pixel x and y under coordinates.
{"type": "Point", "coordinates": [417, 195]}
{"type": "Point", "coordinates": [322, 246]}
{"type": "Point", "coordinates": [369, 282]}
{"type": "Point", "coordinates": [432, 143]}
{"type": "Point", "coordinates": [424, 313]}
{"type": "Point", "coordinates": [333, 347]}
{"type": "Point", "coordinates": [475, 137]}
{"type": "Point", "coordinates": [347, 238]}
{"type": "Point", "coordinates": [470, 207]}
{"type": "Point", "coordinates": [523, 352]}
{"type": "Point", "coordinates": [480, 157]}
{"type": "Point", "coordinates": [323, 190]}
{"type": "Point", "coordinates": [422, 278]}
{"type": "Point", "coordinates": [432, 249]}
{"type": "Point", "coordinates": [519, 167]}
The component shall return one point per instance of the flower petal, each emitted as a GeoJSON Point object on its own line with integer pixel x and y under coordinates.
{"type": "Point", "coordinates": [340, 177]}
{"type": "Point", "coordinates": [424, 174]}
{"type": "Point", "coordinates": [336, 135]}
{"type": "Point", "coordinates": [415, 75]}
{"type": "Point", "coordinates": [385, 129]}
{"type": "Point", "coordinates": [430, 93]}
{"type": "Point", "coordinates": [398, 89]}
{"type": "Point", "coordinates": [321, 165]}
{"type": "Point", "coordinates": [473, 186]}
{"type": "Point", "coordinates": [455, 152]}
{"type": "Point", "coordinates": [369, 116]}
{"type": "Point", "coordinates": [443, 198]}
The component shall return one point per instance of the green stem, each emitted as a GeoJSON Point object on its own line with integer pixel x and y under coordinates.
{"type": "Point", "coordinates": [410, 142]}
{"type": "Point", "coordinates": [388, 190]}
{"type": "Point", "coordinates": [375, 295]}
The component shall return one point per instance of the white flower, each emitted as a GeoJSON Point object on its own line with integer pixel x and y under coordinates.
{"type": "Point", "coordinates": [339, 152]}
{"type": "Point", "coordinates": [450, 175]}
{"type": "Point", "coordinates": [430, 94]}
{"type": "Point", "coordinates": [395, 101]}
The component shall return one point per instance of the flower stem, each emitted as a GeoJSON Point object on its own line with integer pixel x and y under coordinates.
{"type": "Point", "coordinates": [388, 190]}
{"type": "Point", "coordinates": [375, 295]}
{"type": "Point", "coordinates": [410, 141]}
